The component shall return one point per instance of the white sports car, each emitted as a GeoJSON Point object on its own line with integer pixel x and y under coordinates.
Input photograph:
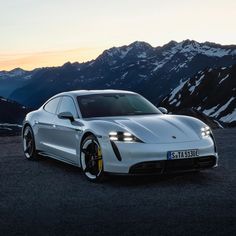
{"type": "Point", "coordinates": [119, 132]}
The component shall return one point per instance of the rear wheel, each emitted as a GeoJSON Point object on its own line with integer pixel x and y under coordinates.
{"type": "Point", "coordinates": [91, 159]}
{"type": "Point", "coordinates": [29, 144]}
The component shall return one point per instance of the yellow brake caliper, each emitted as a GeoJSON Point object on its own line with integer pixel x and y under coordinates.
{"type": "Point", "coordinates": [99, 159]}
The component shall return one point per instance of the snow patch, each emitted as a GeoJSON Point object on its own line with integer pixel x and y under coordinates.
{"type": "Point", "coordinates": [158, 65]}
{"type": "Point", "coordinates": [178, 103]}
{"type": "Point", "coordinates": [125, 52]}
{"type": "Point", "coordinates": [124, 75]}
{"type": "Point", "coordinates": [209, 111]}
{"type": "Point", "coordinates": [192, 88]}
{"type": "Point", "coordinates": [182, 65]}
{"type": "Point", "coordinates": [176, 90]}
{"type": "Point", "coordinates": [224, 79]}
{"type": "Point", "coordinates": [142, 55]}
{"type": "Point", "coordinates": [230, 117]}
{"type": "Point", "coordinates": [222, 108]}
{"type": "Point", "coordinates": [143, 76]}
{"type": "Point", "coordinates": [173, 101]}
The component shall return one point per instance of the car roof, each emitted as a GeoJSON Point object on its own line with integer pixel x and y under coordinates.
{"type": "Point", "coordinates": [90, 92]}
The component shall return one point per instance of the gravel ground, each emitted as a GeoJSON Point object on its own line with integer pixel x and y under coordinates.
{"type": "Point", "coordinates": [47, 197]}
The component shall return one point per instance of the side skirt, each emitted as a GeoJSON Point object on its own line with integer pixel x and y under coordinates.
{"type": "Point", "coordinates": [58, 158]}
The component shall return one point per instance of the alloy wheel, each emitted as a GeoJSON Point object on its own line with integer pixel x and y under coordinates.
{"type": "Point", "coordinates": [91, 159]}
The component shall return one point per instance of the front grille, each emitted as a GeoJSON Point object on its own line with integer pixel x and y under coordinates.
{"type": "Point", "coordinates": [159, 167]}
{"type": "Point", "coordinates": [148, 167]}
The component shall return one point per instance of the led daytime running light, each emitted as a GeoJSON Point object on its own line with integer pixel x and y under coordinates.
{"type": "Point", "coordinates": [205, 131]}
{"type": "Point", "coordinates": [122, 136]}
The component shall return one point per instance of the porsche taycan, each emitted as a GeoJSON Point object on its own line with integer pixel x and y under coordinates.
{"type": "Point", "coordinates": [118, 132]}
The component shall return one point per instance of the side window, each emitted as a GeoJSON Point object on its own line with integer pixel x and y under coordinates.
{"type": "Point", "coordinates": [51, 106]}
{"type": "Point", "coordinates": [67, 105]}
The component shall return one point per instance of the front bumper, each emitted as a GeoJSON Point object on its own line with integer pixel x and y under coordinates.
{"type": "Point", "coordinates": [134, 155]}
{"type": "Point", "coordinates": [173, 166]}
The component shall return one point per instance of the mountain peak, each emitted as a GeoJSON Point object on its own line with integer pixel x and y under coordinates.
{"type": "Point", "coordinates": [172, 42]}
{"type": "Point", "coordinates": [17, 72]}
{"type": "Point", "coordinates": [67, 64]}
{"type": "Point", "coordinates": [136, 49]}
{"type": "Point", "coordinates": [18, 69]}
{"type": "Point", "coordinates": [70, 65]}
{"type": "Point", "coordinates": [189, 42]}
{"type": "Point", "coordinates": [140, 45]}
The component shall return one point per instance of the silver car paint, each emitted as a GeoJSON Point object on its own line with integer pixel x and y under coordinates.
{"type": "Point", "coordinates": [61, 139]}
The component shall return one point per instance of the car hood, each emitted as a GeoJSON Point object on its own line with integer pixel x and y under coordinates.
{"type": "Point", "coordinates": [160, 128]}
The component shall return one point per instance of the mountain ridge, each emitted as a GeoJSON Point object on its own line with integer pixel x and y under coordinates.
{"type": "Point", "coordinates": [152, 71]}
{"type": "Point", "coordinates": [171, 42]}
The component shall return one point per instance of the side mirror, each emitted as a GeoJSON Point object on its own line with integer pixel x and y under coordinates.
{"type": "Point", "coordinates": [66, 116]}
{"type": "Point", "coordinates": [163, 110]}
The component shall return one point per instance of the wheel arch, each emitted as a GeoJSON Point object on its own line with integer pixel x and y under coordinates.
{"type": "Point", "coordinates": [85, 135]}
{"type": "Point", "coordinates": [24, 126]}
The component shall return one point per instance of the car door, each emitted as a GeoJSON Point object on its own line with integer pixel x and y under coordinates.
{"type": "Point", "coordinates": [66, 134]}
{"type": "Point", "coordinates": [45, 126]}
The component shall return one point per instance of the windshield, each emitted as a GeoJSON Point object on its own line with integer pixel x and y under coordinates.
{"type": "Point", "coordinates": [102, 105]}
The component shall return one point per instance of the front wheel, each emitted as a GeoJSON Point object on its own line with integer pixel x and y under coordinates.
{"type": "Point", "coordinates": [91, 159]}
{"type": "Point", "coordinates": [29, 144]}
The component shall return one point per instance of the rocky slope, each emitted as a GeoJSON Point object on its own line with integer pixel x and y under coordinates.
{"type": "Point", "coordinates": [211, 91]}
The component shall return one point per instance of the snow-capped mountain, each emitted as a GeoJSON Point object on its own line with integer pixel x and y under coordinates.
{"type": "Point", "coordinates": [136, 50]}
{"type": "Point", "coordinates": [15, 73]}
{"type": "Point", "coordinates": [211, 91]}
{"type": "Point", "coordinates": [151, 71]}
{"type": "Point", "coordinates": [11, 80]}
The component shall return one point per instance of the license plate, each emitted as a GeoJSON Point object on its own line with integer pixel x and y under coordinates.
{"type": "Point", "coordinates": [173, 155]}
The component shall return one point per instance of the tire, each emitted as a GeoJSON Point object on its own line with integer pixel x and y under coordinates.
{"type": "Point", "coordinates": [29, 144]}
{"type": "Point", "coordinates": [91, 161]}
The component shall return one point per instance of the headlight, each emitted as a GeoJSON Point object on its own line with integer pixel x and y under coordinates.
{"type": "Point", "coordinates": [123, 136]}
{"type": "Point", "coordinates": [205, 131]}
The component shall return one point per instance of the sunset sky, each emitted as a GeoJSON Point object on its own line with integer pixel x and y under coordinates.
{"type": "Point", "coordinates": [36, 33]}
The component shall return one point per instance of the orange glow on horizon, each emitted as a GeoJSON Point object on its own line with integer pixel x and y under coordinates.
{"type": "Point", "coordinates": [40, 33]}
{"type": "Point", "coordinates": [29, 61]}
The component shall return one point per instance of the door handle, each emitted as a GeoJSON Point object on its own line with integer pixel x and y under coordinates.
{"type": "Point", "coordinates": [54, 126]}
